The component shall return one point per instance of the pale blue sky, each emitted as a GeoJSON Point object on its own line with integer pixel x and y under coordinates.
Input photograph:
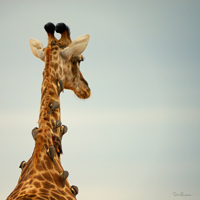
{"type": "Point", "coordinates": [137, 137]}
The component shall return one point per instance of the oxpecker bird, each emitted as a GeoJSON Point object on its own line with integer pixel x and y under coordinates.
{"type": "Point", "coordinates": [60, 86]}
{"type": "Point", "coordinates": [22, 165]}
{"type": "Point", "coordinates": [57, 144]}
{"type": "Point", "coordinates": [34, 132]}
{"type": "Point", "coordinates": [63, 130]}
{"type": "Point", "coordinates": [56, 125]}
{"type": "Point", "coordinates": [74, 190]}
{"type": "Point", "coordinates": [51, 153]}
{"type": "Point", "coordinates": [64, 176]}
{"type": "Point", "coordinates": [53, 106]}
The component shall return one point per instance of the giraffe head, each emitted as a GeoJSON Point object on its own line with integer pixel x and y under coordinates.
{"type": "Point", "coordinates": [66, 56]}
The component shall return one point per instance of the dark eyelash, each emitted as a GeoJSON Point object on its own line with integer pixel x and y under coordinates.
{"type": "Point", "coordinates": [82, 59]}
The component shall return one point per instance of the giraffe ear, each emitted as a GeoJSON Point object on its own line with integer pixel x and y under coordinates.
{"type": "Point", "coordinates": [76, 48]}
{"type": "Point", "coordinates": [37, 48]}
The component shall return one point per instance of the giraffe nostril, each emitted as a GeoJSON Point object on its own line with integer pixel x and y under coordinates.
{"type": "Point", "coordinates": [49, 28]}
{"type": "Point", "coordinates": [61, 27]}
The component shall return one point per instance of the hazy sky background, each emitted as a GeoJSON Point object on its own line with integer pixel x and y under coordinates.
{"type": "Point", "coordinates": [137, 137]}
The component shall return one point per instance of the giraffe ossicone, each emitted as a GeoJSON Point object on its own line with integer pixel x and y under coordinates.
{"type": "Point", "coordinates": [43, 176]}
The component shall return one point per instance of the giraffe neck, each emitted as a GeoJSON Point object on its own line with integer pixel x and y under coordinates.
{"type": "Point", "coordinates": [50, 94]}
{"type": "Point", "coordinates": [43, 175]}
{"type": "Point", "coordinates": [49, 118]}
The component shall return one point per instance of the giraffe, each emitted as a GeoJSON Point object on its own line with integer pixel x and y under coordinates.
{"type": "Point", "coordinates": [43, 176]}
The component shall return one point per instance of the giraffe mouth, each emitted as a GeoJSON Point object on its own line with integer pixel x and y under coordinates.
{"type": "Point", "coordinates": [82, 92]}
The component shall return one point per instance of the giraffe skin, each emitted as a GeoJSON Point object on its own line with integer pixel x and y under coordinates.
{"type": "Point", "coordinates": [43, 176]}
